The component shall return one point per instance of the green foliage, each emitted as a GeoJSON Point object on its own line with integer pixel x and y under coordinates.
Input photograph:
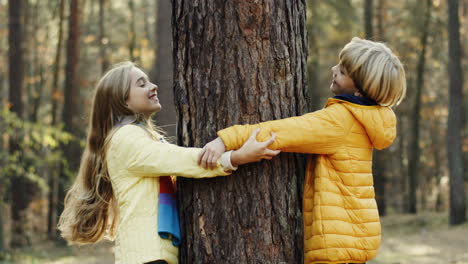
{"type": "Point", "coordinates": [38, 149]}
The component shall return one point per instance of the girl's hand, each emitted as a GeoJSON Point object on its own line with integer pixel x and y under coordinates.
{"type": "Point", "coordinates": [211, 152]}
{"type": "Point", "coordinates": [252, 150]}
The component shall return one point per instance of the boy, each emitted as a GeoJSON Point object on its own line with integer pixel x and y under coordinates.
{"type": "Point", "coordinates": [341, 220]}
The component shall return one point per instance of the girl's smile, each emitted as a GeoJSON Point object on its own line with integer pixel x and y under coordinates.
{"type": "Point", "coordinates": [143, 97]}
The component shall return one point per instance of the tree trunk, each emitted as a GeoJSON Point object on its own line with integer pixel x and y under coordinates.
{"type": "Point", "coordinates": [71, 68]}
{"type": "Point", "coordinates": [15, 56]}
{"type": "Point", "coordinates": [240, 62]}
{"type": "Point", "coordinates": [368, 17]}
{"type": "Point", "coordinates": [132, 43]}
{"type": "Point", "coordinates": [56, 97]}
{"type": "Point", "coordinates": [415, 150]}
{"type": "Point", "coordinates": [148, 15]}
{"type": "Point", "coordinates": [454, 140]}
{"type": "Point", "coordinates": [379, 157]}
{"type": "Point", "coordinates": [71, 150]}
{"type": "Point", "coordinates": [313, 93]}
{"type": "Point", "coordinates": [2, 231]}
{"type": "Point", "coordinates": [381, 11]}
{"type": "Point", "coordinates": [55, 85]}
{"type": "Point", "coordinates": [163, 68]}
{"type": "Point", "coordinates": [102, 37]}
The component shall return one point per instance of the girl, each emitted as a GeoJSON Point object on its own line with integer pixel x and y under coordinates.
{"type": "Point", "coordinates": [125, 171]}
{"type": "Point", "coordinates": [341, 219]}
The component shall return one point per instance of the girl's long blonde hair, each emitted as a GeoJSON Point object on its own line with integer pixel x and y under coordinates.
{"type": "Point", "coordinates": [90, 211]}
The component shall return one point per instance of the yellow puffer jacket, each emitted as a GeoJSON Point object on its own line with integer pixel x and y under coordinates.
{"type": "Point", "coordinates": [341, 220]}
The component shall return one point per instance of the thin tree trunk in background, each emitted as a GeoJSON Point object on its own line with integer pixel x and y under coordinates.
{"type": "Point", "coordinates": [71, 68]}
{"type": "Point", "coordinates": [381, 15]}
{"type": "Point", "coordinates": [313, 67]}
{"type": "Point", "coordinates": [72, 149]}
{"type": "Point", "coordinates": [2, 223]}
{"type": "Point", "coordinates": [454, 140]}
{"type": "Point", "coordinates": [38, 73]}
{"type": "Point", "coordinates": [132, 32]}
{"type": "Point", "coordinates": [415, 150]}
{"type": "Point", "coordinates": [38, 93]}
{"type": "Point", "coordinates": [368, 17]}
{"type": "Point", "coordinates": [436, 142]}
{"type": "Point", "coordinates": [379, 157]}
{"type": "Point", "coordinates": [402, 168]}
{"type": "Point", "coordinates": [56, 97]}
{"type": "Point", "coordinates": [102, 37]}
{"type": "Point", "coordinates": [147, 14]}
{"type": "Point", "coordinates": [240, 62]}
{"type": "Point", "coordinates": [58, 54]}
{"type": "Point", "coordinates": [163, 68]}
{"type": "Point", "coordinates": [15, 93]}
{"type": "Point", "coordinates": [3, 242]}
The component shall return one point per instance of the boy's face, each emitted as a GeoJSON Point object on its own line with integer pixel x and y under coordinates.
{"type": "Point", "coordinates": [342, 83]}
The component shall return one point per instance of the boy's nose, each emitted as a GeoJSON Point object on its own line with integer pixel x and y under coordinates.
{"type": "Point", "coordinates": [333, 70]}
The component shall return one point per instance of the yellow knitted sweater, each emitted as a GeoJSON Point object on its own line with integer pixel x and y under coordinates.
{"type": "Point", "coordinates": [135, 160]}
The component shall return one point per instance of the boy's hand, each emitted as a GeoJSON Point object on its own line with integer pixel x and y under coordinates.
{"type": "Point", "coordinates": [252, 150]}
{"type": "Point", "coordinates": [211, 152]}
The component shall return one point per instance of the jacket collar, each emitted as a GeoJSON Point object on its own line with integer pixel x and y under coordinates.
{"type": "Point", "coordinates": [355, 99]}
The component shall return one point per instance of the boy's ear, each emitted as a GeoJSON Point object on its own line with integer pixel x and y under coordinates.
{"type": "Point", "coordinates": [357, 93]}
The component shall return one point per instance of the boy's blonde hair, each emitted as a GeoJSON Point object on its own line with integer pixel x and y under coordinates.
{"type": "Point", "coordinates": [377, 73]}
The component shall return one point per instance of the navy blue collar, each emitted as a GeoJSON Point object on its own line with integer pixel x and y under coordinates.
{"type": "Point", "coordinates": [355, 99]}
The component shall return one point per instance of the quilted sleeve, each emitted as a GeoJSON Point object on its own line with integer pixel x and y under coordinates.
{"type": "Point", "coordinates": [137, 152]}
{"type": "Point", "coordinates": [319, 132]}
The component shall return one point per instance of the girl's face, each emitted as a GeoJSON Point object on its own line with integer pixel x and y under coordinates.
{"type": "Point", "coordinates": [143, 97]}
{"type": "Point", "coordinates": [342, 83]}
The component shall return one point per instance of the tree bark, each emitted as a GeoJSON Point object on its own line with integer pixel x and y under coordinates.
{"type": "Point", "coordinates": [240, 62]}
{"type": "Point", "coordinates": [314, 93]}
{"type": "Point", "coordinates": [72, 149]}
{"type": "Point", "coordinates": [16, 67]}
{"type": "Point", "coordinates": [163, 69]}
{"type": "Point", "coordinates": [379, 157]}
{"type": "Point", "coordinates": [56, 97]}
{"type": "Point", "coordinates": [58, 54]}
{"type": "Point", "coordinates": [132, 43]}
{"type": "Point", "coordinates": [71, 67]}
{"type": "Point", "coordinates": [368, 17]}
{"type": "Point", "coordinates": [381, 15]}
{"type": "Point", "coordinates": [102, 37]}
{"type": "Point", "coordinates": [454, 140]}
{"type": "Point", "coordinates": [415, 150]}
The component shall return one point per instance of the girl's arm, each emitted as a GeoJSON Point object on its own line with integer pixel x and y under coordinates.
{"type": "Point", "coordinates": [137, 152]}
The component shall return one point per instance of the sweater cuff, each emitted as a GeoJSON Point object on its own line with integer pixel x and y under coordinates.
{"type": "Point", "coordinates": [225, 161]}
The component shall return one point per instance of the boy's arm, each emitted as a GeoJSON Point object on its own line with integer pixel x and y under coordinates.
{"type": "Point", "coordinates": [320, 132]}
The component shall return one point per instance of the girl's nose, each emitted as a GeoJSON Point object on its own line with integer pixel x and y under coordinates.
{"type": "Point", "coordinates": [155, 87]}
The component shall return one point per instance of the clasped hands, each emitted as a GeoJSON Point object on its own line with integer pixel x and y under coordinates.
{"type": "Point", "coordinates": [251, 151]}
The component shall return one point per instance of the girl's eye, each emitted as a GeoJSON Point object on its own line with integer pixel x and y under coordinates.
{"type": "Point", "coordinates": [142, 84]}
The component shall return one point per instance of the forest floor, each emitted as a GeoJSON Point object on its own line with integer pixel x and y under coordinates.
{"type": "Point", "coordinates": [407, 239]}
